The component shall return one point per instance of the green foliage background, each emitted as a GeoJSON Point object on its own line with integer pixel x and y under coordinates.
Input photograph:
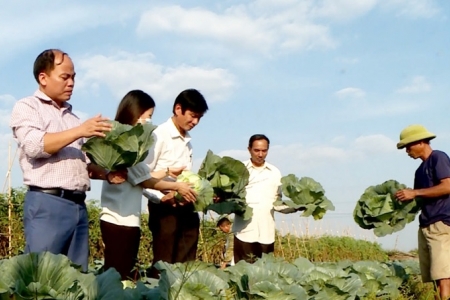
{"type": "Point", "coordinates": [211, 241]}
{"type": "Point", "coordinates": [210, 244]}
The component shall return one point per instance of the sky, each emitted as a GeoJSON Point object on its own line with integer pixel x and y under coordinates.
{"type": "Point", "coordinates": [330, 82]}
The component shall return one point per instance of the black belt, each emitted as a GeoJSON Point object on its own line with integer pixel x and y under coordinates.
{"type": "Point", "coordinates": [75, 196]}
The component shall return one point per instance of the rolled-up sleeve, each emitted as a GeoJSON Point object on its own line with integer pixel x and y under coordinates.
{"type": "Point", "coordinates": [138, 173]}
{"type": "Point", "coordinates": [28, 130]}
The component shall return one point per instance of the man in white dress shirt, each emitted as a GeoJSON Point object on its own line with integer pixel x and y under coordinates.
{"type": "Point", "coordinates": [174, 225]}
{"type": "Point", "coordinates": [257, 235]}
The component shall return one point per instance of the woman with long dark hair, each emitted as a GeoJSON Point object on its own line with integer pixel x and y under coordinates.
{"type": "Point", "coordinates": [120, 217]}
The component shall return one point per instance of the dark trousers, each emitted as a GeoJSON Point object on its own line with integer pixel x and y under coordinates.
{"type": "Point", "coordinates": [175, 234]}
{"type": "Point", "coordinates": [121, 248]}
{"type": "Point", "coordinates": [250, 251]}
{"type": "Point", "coordinates": [57, 225]}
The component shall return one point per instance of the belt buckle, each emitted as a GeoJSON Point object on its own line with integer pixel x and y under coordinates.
{"type": "Point", "coordinates": [62, 194]}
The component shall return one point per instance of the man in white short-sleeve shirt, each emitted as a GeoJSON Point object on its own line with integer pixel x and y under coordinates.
{"type": "Point", "coordinates": [257, 235]}
{"type": "Point", "coordinates": [174, 225]}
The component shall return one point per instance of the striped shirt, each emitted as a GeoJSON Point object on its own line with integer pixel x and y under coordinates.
{"type": "Point", "coordinates": [32, 117]}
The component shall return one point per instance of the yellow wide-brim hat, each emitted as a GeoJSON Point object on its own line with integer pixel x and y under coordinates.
{"type": "Point", "coordinates": [414, 133]}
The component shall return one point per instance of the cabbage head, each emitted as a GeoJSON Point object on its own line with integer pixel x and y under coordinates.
{"type": "Point", "coordinates": [305, 195]}
{"type": "Point", "coordinates": [201, 186]}
{"type": "Point", "coordinates": [123, 147]}
{"type": "Point", "coordinates": [229, 178]}
{"type": "Point", "coordinates": [379, 210]}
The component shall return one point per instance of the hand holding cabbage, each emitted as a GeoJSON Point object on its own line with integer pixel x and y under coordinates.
{"type": "Point", "coordinates": [201, 186]}
{"type": "Point", "coordinates": [185, 191]}
{"type": "Point", "coordinates": [379, 209]}
{"type": "Point", "coordinates": [122, 147]}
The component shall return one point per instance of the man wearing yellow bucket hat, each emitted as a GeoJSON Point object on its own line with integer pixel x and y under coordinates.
{"type": "Point", "coordinates": [432, 185]}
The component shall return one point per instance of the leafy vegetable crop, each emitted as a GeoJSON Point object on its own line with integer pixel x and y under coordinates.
{"type": "Point", "coordinates": [49, 276]}
{"type": "Point", "coordinates": [379, 210]}
{"type": "Point", "coordinates": [201, 186]}
{"type": "Point", "coordinates": [305, 195]}
{"type": "Point", "coordinates": [124, 146]}
{"type": "Point", "coordinates": [228, 177]}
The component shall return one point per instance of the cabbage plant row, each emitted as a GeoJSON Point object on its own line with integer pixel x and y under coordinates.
{"type": "Point", "coordinates": [49, 276]}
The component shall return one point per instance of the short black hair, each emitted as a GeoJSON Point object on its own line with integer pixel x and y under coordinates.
{"type": "Point", "coordinates": [192, 100]}
{"type": "Point", "coordinates": [45, 62]}
{"type": "Point", "coordinates": [223, 221]}
{"type": "Point", "coordinates": [257, 137]}
{"type": "Point", "coordinates": [132, 106]}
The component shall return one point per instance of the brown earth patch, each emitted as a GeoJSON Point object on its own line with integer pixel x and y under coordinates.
{"type": "Point", "coordinates": [398, 255]}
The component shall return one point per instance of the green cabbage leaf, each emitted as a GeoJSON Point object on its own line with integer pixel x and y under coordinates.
{"type": "Point", "coordinates": [379, 210]}
{"type": "Point", "coordinates": [228, 177]}
{"type": "Point", "coordinates": [305, 195]}
{"type": "Point", "coordinates": [124, 146]}
{"type": "Point", "coordinates": [203, 188]}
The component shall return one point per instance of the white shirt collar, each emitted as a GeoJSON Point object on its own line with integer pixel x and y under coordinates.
{"type": "Point", "coordinates": [248, 164]}
{"type": "Point", "coordinates": [174, 133]}
{"type": "Point", "coordinates": [42, 96]}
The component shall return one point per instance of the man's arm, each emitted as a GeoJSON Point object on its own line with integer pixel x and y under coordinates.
{"type": "Point", "coordinates": [172, 172]}
{"type": "Point", "coordinates": [152, 160]}
{"type": "Point", "coordinates": [53, 142]}
{"type": "Point", "coordinates": [279, 195]}
{"type": "Point", "coordinates": [96, 126]}
{"type": "Point", "coordinates": [97, 172]}
{"type": "Point", "coordinates": [29, 130]}
{"type": "Point", "coordinates": [284, 209]}
{"type": "Point", "coordinates": [443, 188]}
{"type": "Point", "coordinates": [183, 188]}
{"type": "Point", "coordinates": [154, 152]}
